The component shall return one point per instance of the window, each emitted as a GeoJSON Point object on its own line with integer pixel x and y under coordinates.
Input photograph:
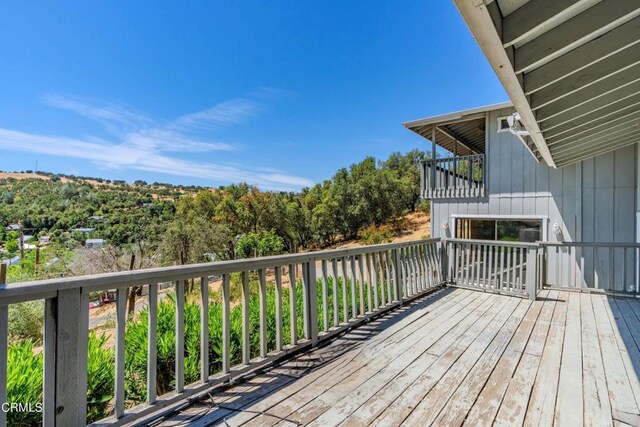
{"type": "Point", "coordinates": [513, 230]}
{"type": "Point", "coordinates": [503, 124]}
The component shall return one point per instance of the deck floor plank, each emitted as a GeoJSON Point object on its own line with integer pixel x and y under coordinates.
{"type": "Point", "coordinates": [378, 366]}
{"type": "Point", "coordinates": [513, 407]}
{"type": "Point", "coordinates": [570, 401]}
{"type": "Point", "coordinates": [541, 408]}
{"type": "Point", "coordinates": [401, 408]}
{"type": "Point", "coordinates": [336, 412]}
{"type": "Point", "coordinates": [469, 372]}
{"type": "Point", "coordinates": [486, 406]}
{"type": "Point", "coordinates": [455, 357]}
{"type": "Point", "coordinates": [597, 408]}
{"type": "Point", "coordinates": [410, 323]}
{"type": "Point", "coordinates": [620, 390]}
{"type": "Point", "coordinates": [362, 365]}
{"type": "Point", "coordinates": [627, 334]}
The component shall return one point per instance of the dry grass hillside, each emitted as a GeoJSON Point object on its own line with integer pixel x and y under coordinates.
{"type": "Point", "coordinates": [413, 226]}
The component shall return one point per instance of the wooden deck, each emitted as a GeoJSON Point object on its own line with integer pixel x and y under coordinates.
{"type": "Point", "coordinates": [456, 357]}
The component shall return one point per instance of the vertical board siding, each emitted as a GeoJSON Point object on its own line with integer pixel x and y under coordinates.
{"type": "Point", "coordinates": [595, 202]}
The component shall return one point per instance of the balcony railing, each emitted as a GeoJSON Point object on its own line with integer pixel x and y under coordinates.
{"type": "Point", "coordinates": [454, 177]}
{"type": "Point", "coordinates": [340, 289]}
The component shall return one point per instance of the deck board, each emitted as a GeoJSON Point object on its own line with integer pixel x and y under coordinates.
{"type": "Point", "coordinates": [452, 358]}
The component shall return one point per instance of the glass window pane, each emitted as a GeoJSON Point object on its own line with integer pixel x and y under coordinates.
{"type": "Point", "coordinates": [519, 231]}
{"type": "Point", "coordinates": [480, 229]}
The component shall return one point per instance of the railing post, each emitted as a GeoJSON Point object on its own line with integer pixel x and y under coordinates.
{"type": "Point", "coordinates": [72, 329]}
{"type": "Point", "coordinates": [311, 302]}
{"type": "Point", "coordinates": [397, 290]}
{"type": "Point", "coordinates": [532, 272]}
{"type": "Point", "coordinates": [444, 262]}
{"type": "Point", "coordinates": [423, 166]}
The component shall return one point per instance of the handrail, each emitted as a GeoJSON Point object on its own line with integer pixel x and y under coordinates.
{"type": "Point", "coordinates": [590, 244]}
{"type": "Point", "coordinates": [494, 242]}
{"type": "Point", "coordinates": [340, 288]}
{"type": "Point", "coordinates": [41, 289]}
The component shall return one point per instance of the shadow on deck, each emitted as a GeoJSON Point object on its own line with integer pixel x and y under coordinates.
{"type": "Point", "coordinates": [455, 357]}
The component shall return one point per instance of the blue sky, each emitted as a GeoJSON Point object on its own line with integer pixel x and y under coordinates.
{"type": "Point", "coordinates": [279, 94]}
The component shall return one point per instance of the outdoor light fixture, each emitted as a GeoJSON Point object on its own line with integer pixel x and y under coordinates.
{"type": "Point", "coordinates": [557, 230]}
{"type": "Point", "coordinates": [445, 225]}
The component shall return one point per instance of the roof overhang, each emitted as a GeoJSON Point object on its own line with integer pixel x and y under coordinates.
{"type": "Point", "coordinates": [570, 67]}
{"type": "Point", "coordinates": [461, 132]}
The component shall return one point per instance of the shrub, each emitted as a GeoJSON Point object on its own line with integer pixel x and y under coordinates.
{"type": "Point", "coordinates": [373, 235]}
{"type": "Point", "coordinates": [24, 379]}
{"type": "Point", "coordinates": [25, 362]}
{"type": "Point", "coordinates": [26, 320]}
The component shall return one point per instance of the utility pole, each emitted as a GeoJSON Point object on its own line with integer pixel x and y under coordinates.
{"type": "Point", "coordinates": [36, 166]}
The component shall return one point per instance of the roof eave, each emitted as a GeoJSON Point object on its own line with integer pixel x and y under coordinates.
{"type": "Point", "coordinates": [478, 19]}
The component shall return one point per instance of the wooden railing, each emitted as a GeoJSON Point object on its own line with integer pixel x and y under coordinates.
{"type": "Point", "coordinates": [340, 289]}
{"type": "Point", "coordinates": [611, 267]}
{"type": "Point", "coordinates": [454, 177]}
{"type": "Point", "coordinates": [505, 267]}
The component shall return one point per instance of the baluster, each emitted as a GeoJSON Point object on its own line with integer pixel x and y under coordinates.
{"type": "Point", "coordinates": [397, 289]}
{"type": "Point", "coordinates": [226, 326]}
{"type": "Point", "coordinates": [262, 283]}
{"type": "Point", "coordinates": [152, 343]}
{"type": "Point", "coordinates": [246, 350]}
{"type": "Point", "coordinates": [204, 329]}
{"type": "Point", "coordinates": [293, 315]}
{"type": "Point", "coordinates": [491, 268]}
{"type": "Point", "coordinates": [180, 336]}
{"type": "Point", "coordinates": [378, 294]}
{"type": "Point", "coordinates": [387, 274]}
{"type": "Point", "coordinates": [49, 368]}
{"type": "Point", "coordinates": [121, 313]}
{"type": "Point", "coordinates": [354, 309]}
{"type": "Point", "coordinates": [336, 312]}
{"type": "Point", "coordinates": [4, 349]}
{"type": "Point", "coordinates": [278, 274]}
{"type": "Point", "coordinates": [345, 300]}
{"type": "Point", "coordinates": [311, 301]}
{"type": "Point", "coordinates": [361, 283]}
{"type": "Point", "coordinates": [325, 296]}
{"type": "Point", "coordinates": [612, 274]}
{"type": "Point", "coordinates": [305, 301]}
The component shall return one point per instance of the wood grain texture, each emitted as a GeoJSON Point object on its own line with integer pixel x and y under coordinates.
{"type": "Point", "coordinates": [457, 357]}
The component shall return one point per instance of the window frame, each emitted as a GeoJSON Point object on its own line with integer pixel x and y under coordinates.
{"type": "Point", "coordinates": [543, 218]}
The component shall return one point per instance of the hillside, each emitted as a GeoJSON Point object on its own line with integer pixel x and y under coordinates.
{"type": "Point", "coordinates": [144, 225]}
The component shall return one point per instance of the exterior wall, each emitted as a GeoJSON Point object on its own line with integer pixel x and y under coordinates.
{"type": "Point", "coordinates": [593, 201]}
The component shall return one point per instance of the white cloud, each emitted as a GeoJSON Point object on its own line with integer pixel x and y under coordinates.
{"type": "Point", "coordinates": [126, 156]}
{"type": "Point", "coordinates": [141, 143]}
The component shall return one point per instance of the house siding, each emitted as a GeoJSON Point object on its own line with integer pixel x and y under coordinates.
{"type": "Point", "coordinates": [592, 201]}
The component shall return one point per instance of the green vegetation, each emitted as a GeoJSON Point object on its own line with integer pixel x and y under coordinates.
{"type": "Point", "coordinates": [146, 225]}
{"type": "Point", "coordinates": [163, 225]}
{"type": "Point", "coordinates": [25, 362]}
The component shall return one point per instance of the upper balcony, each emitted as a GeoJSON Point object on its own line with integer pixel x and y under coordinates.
{"type": "Point", "coordinates": [453, 177]}
{"type": "Point", "coordinates": [458, 166]}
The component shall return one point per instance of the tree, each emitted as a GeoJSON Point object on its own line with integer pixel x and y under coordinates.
{"type": "Point", "coordinates": [260, 244]}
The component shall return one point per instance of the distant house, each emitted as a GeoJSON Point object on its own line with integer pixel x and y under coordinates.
{"type": "Point", "coordinates": [14, 227]}
{"type": "Point", "coordinates": [52, 261]}
{"type": "Point", "coordinates": [98, 218]}
{"type": "Point", "coordinates": [44, 240]}
{"type": "Point", "coordinates": [84, 230]}
{"type": "Point", "coordinates": [12, 261]}
{"type": "Point", "coordinates": [94, 243]}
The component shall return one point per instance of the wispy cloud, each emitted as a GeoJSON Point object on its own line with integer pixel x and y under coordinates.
{"type": "Point", "coordinates": [141, 143]}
